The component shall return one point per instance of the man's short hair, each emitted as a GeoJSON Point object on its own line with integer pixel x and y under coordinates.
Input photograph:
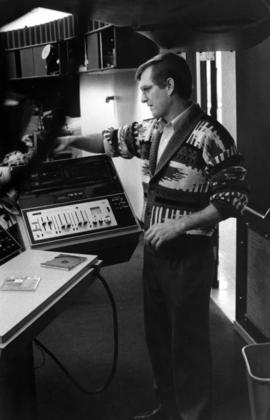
{"type": "Point", "coordinates": [168, 65]}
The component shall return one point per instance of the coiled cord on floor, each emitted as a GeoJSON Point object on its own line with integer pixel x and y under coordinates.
{"type": "Point", "coordinates": [115, 350]}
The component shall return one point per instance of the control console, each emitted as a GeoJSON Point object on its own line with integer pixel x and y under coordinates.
{"type": "Point", "coordinates": [79, 205]}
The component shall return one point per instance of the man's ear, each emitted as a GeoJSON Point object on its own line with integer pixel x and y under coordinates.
{"type": "Point", "coordinates": [170, 85]}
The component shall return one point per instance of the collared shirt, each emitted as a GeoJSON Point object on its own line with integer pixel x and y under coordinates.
{"type": "Point", "coordinates": [168, 131]}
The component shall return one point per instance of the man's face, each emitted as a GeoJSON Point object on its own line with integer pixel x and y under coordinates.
{"type": "Point", "coordinates": [157, 98]}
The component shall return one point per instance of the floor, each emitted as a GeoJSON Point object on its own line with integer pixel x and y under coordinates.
{"type": "Point", "coordinates": [81, 338]}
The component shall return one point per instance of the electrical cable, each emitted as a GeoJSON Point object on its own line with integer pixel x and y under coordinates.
{"type": "Point", "coordinates": [115, 352]}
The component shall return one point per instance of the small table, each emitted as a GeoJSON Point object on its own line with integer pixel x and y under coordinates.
{"type": "Point", "coordinates": [23, 315]}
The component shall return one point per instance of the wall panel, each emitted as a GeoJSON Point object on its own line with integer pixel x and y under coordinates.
{"type": "Point", "coordinates": [253, 135]}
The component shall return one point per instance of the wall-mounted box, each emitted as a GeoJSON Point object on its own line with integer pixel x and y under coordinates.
{"type": "Point", "coordinates": [93, 51]}
{"type": "Point", "coordinates": [32, 63]}
{"type": "Point", "coordinates": [113, 47]}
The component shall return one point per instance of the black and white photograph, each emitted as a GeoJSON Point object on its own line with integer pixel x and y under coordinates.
{"type": "Point", "coordinates": [134, 210]}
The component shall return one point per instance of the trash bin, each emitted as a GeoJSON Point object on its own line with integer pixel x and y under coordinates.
{"type": "Point", "coordinates": [257, 359]}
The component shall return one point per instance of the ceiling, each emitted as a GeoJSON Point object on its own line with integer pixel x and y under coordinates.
{"type": "Point", "coordinates": [176, 24]}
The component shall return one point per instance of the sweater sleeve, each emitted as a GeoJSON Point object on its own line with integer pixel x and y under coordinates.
{"type": "Point", "coordinates": [226, 173]}
{"type": "Point", "coordinates": [129, 140]}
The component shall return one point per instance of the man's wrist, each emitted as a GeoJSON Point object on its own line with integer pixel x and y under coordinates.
{"type": "Point", "coordinates": [182, 225]}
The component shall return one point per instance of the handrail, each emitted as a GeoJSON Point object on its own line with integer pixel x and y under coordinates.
{"type": "Point", "coordinates": [256, 213]}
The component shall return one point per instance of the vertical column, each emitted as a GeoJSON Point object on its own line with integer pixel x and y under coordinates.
{"type": "Point", "coordinates": [208, 95]}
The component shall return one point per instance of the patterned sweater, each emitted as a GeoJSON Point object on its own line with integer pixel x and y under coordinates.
{"type": "Point", "coordinates": [200, 165]}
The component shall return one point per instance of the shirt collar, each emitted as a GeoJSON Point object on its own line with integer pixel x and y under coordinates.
{"type": "Point", "coordinates": [175, 123]}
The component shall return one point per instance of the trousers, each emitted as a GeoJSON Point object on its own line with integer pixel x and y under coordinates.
{"type": "Point", "coordinates": [177, 287]}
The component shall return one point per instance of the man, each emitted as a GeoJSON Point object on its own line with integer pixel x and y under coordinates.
{"type": "Point", "coordinates": [192, 177]}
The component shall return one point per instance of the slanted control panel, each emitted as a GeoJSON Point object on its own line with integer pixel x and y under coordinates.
{"type": "Point", "coordinates": [79, 205]}
{"type": "Point", "coordinates": [69, 220]}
